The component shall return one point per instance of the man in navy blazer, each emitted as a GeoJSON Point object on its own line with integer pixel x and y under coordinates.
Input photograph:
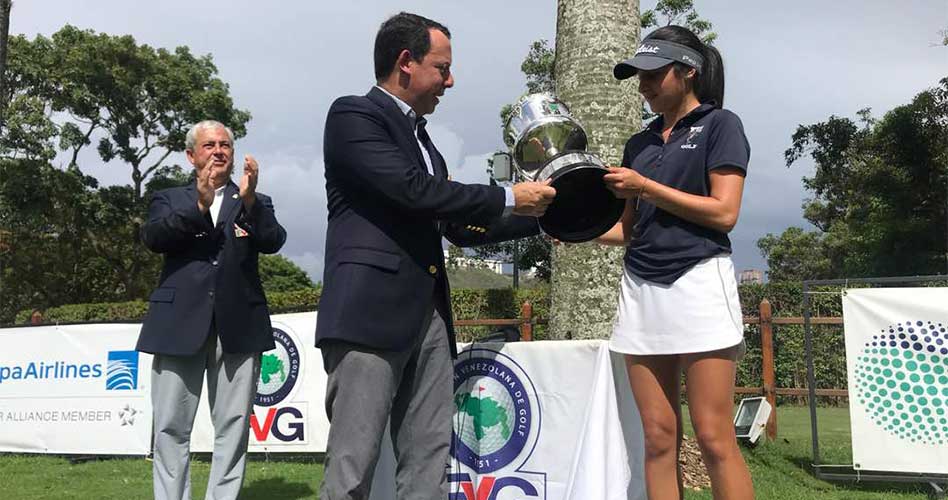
{"type": "Point", "coordinates": [384, 325]}
{"type": "Point", "coordinates": [209, 313]}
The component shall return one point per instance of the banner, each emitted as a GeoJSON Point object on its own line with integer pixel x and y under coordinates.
{"type": "Point", "coordinates": [533, 420]}
{"type": "Point", "coordinates": [897, 366]}
{"type": "Point", "coordinates": [539, 420]}
{"type": "Point", "coordinates": [288, 413]}
{"type": "Point", "coordinates": [74, 389]}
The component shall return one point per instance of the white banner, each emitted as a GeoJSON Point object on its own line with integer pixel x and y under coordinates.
{"type": "Point", "coordinates": [74, 389]}
{"type": "Point", "coordinates": [897, 366]}
{"type": "Point", "coordinates": [288, 414]}
{"type": "Point", "coordinates": [544, 420]}
{"type": "Point", "coordinates": [540, 420]}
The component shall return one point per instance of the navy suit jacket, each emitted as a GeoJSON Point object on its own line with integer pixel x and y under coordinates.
{"type": "Point", "coordinates": [384, 262]}
{"type": "Point", "coordinates": [210, 273]}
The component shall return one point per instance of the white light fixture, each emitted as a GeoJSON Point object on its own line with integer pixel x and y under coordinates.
{"type": "Point", "coordinates": [501, 167]}
{"type": "Point", "coordinates": [751, 418]}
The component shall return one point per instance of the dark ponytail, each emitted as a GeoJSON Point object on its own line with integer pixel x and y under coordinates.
{"type": "Point", "coordinates": [709, 83]}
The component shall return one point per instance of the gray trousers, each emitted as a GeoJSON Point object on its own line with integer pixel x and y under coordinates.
{"type": "Point", "coordinates": [411, 390]}
{"type": "Point", "coordinates": [175, 391]}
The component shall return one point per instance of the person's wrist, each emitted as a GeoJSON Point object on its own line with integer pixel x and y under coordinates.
{"type": "Point", "coordinates": [643, 192]}
{"type": "Point", "coordinates": [249, 200]}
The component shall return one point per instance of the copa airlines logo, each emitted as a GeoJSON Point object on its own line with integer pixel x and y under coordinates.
{"type": "Point", "coordinates": [902, 381]}
{"type": "Point", "coordinates": [120, 371]}
{"type": "Point", "coordinates": [496, 427]}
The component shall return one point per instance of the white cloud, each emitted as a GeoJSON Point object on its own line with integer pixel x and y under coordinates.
{"type": "Point", "coordinates": [286, 65]}
{"type": "Point", "coordinates": [297, 187]}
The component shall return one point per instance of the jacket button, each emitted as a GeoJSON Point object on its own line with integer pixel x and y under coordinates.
{"type": "Point", "coordinates": [210, 294]}
{"type": "Point", "coordinates": [213, 262]}
{"type": "Point", "coordinates": [433, 270]}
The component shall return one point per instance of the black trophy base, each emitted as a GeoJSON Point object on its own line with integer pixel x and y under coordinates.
{"type": "Point", "coordinates": [583, 208]}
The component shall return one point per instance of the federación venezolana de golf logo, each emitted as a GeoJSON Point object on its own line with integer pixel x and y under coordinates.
{"type": "Point", "coordinates": [496, 427]}
{"type": "Point", "coordinates": [902, 381]}
{"type": "Point", "coordinates": [279, 370]}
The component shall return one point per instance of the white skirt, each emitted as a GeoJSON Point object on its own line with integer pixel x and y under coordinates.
{"type": "Point", "coordinates": [699, 312]}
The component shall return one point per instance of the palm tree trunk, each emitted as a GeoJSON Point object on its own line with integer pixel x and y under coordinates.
{"type": "Point", "coordinates": [591, 37]}
{"type": "Point", "coordinates": [5, 6]}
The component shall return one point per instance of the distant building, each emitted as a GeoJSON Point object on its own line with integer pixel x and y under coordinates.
{"type": "Point", "coordinates": [494, 265]}
{"type": "Point", "coordinates": [751, 276]}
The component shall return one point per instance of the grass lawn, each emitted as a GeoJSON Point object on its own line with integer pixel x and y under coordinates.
{"type": "Point", "coordinates": [34, 477]}
{"type": "Point", "coordinates": [780, 470]}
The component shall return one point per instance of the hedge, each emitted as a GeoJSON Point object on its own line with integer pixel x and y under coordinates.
{"type": "Point", "coordinates": [467, 303]}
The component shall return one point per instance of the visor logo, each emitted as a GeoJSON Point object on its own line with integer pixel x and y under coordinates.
{"type": "Point", "coordinates": [647, 49]}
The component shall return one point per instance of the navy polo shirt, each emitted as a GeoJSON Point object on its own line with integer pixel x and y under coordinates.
{"type": "Point", "coordinates": [665, 246]}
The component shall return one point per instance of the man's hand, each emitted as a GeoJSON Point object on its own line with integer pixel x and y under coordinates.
{"type": "Point", "coordinates": [248, 182]}
{"type": "Point", "coordinates": [205, 186]}
{"type": "Point", "coordinates": [532, 198]}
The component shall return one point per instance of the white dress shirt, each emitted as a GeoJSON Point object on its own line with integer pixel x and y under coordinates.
{"type": "Point", "coordinates": [216, 206]}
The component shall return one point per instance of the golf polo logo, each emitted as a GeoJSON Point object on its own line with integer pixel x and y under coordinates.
{"type": "Point", "coordinates": [121, 371]}
{"type": "Point", "coordinates": [692, 135]}
{"type": "Point", "coordinates": [496, 426]}
{"type": "Point", "coordinates": [902, 381]}
{"type": "Point", "coordinates": [279, 370]}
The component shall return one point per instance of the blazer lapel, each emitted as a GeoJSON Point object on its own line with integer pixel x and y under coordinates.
{"type": "Point", "coordinates": [230, 202]}
{"type": "Point", "coordinates": [403, 124]}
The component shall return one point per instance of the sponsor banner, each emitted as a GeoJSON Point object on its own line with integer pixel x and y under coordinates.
{"type": "Point", "coordinates": [538, 421]}
{"type": "Point", "coordinates": [74, 389]}
{"type": "Point", "coordinates": [288, 413]}
{"type": "Point", "coordinates": [542, 420]}
{"type": "Point", "coordinates": [897, 366]}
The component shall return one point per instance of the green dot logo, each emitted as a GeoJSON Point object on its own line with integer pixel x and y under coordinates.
{"type": "Point", "coordinates": [901, 381]}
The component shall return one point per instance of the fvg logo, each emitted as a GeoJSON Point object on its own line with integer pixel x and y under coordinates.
{"type": "Point", "coordinates": [279, 372]}
{"type": "Point", "coordinates": [496, 427]}
{"type": "Point", "coordinates": [120, 371]}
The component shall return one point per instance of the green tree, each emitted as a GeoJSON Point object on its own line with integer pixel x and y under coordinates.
{"type": "Point", "coordinates": [879, 191]}
{"type": "Point", "coordinates": [455, 254]}
{"type": "Point", "coordinates": [44, 257]}
{"type": "Point", "coordinates": [680, 12]}
{"type": "Point", "coordinates": [796, 255]}
{"type": "Point", "coordinates": [137, 100]}
{"type": "Point", "coordinates": [133, 102]}
{"type": "Point", "coordinates": [279, 274]}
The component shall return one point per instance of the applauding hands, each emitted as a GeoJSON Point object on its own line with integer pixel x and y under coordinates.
{"type": "Point", "coordinates": [248, 182]}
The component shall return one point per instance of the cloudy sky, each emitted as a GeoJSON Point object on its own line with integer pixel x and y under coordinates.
{"type": "Point", "coordinates": [787, 63]}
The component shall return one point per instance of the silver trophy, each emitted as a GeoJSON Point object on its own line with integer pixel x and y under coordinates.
{"type": "Point", "coordinates": [548, 144]}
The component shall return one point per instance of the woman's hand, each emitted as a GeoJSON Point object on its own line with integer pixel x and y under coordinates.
{"type": "Point", "coordinates": [624, 182]}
